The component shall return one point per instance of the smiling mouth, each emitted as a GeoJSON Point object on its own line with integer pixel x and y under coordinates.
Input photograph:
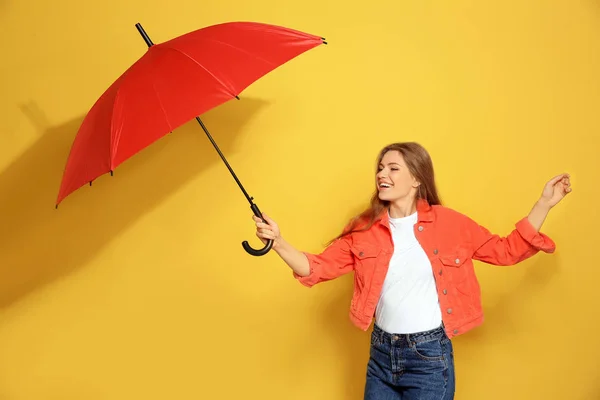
{"type": "Point", "coordinates": [383, 186]}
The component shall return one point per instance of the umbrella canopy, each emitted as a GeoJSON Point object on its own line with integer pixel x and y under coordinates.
{"type": "Point", "coordinates": [172, 83]}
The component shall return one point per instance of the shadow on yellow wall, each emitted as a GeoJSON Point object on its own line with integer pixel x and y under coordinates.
{"type": "Point", "coordinates": [40, 243]}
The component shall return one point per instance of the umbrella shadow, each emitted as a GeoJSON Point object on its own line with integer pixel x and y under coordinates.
{"type": "Point", "coordinates": [39, 243]}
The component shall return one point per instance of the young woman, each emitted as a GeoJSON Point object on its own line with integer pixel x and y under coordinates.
{"type": "Point", "coordinates": [413, 272]}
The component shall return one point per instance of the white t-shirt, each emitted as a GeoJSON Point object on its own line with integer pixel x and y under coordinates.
{"type": "Point", "coordinates": [409, 301]}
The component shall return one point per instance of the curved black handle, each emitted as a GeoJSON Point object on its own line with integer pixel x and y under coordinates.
{"type": "Point", "coordinates": [246, 245]}
{"type": "Point", "coordinates": [260, 252]}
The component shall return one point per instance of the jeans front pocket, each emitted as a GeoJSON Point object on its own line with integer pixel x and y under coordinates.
{"type": "Point", "coordinates": [430, 350]}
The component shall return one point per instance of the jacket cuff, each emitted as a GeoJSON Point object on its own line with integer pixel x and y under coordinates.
{"type": "Point", "coordinates": [536, 239]}
{"type": "Point", "coordinates": [312, 278]}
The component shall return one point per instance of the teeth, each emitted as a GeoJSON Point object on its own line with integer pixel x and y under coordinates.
{"type": "Point", "coordinates": [385, 185]}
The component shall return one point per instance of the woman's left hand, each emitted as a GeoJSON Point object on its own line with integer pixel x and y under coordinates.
{"type": "Point", "coordinates": [556, 189]}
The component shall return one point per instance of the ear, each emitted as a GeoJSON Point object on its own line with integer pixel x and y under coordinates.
{"type": "Point", "coordinates": [416, 183]}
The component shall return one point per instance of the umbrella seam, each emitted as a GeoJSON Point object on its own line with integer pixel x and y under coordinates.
{"type": "Point", "coordinates": [161, 104]}
{"type": "Point", "coordinates": [231, 92]}
{"type": "Point", "coordinates": [115, 138]}
{"type": "Point", "coordinates": [243, 51]}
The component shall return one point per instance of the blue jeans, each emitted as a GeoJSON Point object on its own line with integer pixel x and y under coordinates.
{"type": "Point", "coordinates": [417, 366]}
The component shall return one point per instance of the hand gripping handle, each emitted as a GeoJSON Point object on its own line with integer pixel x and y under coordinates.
{"type": "Point", "coordinates": [267, 247]}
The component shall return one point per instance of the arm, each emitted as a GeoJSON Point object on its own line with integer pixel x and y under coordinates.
{"type": "Point", "coordinates": [308, 268]}
{"type": "Point", "coordinates": [526, 239]}
{"type": "Point", "coordinates": [294, 258]}
{"type": "Point", "coordinates": [523, 242]}
{"type": "Point", "coordinates": [335, 261]}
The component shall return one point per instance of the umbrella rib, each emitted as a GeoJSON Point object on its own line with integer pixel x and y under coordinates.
{"type": "Point", "coordinates": [243, 51]}
{"type": "Point", "coordinates": [203, 67]}
{"type": "Point", "coordinates": [162, 108]}
{"type": "Point", "coordinates": [115, 138]}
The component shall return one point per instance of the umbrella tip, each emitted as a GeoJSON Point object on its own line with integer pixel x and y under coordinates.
{"type": "Point", "coordinates": [111, 172]}
{"type": "Point", "coordinates": [144, 35]}
{"type": "Point", "coordinates": [237, 97]}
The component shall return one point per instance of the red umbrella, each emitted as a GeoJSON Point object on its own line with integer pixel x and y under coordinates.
{"type": "Point", "coordinates": [172, 83]}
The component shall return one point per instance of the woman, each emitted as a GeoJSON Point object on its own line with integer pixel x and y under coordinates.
{"type": "Point", "coordinates": [413, 271]}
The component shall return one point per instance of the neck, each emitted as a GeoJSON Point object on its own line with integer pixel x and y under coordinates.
{"type": "Point", "coordinates": [403, 208]}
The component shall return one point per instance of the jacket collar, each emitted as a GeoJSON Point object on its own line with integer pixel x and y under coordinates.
{"type": "Point", "coordinates": [424, 213]}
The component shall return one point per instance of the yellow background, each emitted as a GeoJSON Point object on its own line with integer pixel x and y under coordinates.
{"type": "Point", "coordinates": [138, 287]}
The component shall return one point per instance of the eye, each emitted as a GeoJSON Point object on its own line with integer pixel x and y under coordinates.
{"type": "Point", "coordinates": [394, 169]}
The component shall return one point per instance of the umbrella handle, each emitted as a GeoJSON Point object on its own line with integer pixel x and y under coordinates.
{"type": "Point", "coordinates": [246, 245]}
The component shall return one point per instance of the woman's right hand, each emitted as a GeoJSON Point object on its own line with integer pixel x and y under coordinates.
{"type": "Point", "coordinates": [294, 258]}
{"type": "Point", "coordinates": [266, 231]}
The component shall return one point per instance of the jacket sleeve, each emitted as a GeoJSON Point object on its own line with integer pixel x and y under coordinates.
{"type": "Point", "coordinates": [523, 242]}
{"type": "Point", "coordinates": [335, 261]}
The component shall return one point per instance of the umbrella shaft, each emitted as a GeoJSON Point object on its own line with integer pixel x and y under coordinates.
{"type": "Point", "coordinates": [224, 160]}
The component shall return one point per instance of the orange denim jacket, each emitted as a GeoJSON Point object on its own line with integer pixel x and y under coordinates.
{"type": "Point", "coordinates": [451, 240]}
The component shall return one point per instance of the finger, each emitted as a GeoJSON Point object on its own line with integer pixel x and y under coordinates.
{"type": "Point", "coordinates": [557, 178]}
{"type": "Point", "coordinates": [268, 219]}
{"type": "Point", "coordinates": [265, 235]}
{"type": "Point", "coordinates": [271, 223]}
{"type": "Point", "coordinates": [258, 235]}
{"type": "Point", "coordinates": [262, 225]}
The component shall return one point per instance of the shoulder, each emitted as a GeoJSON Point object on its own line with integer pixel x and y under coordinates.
{"type": "Point", "coordinates": [448, 216]}
{"type": "Point", "coordinates": [447, 212]}
{"type": "Point", "coordinates": [364, 232]}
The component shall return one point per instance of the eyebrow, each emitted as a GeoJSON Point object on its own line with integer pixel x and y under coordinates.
{"type": "Point", "coordinates": [391, 163]}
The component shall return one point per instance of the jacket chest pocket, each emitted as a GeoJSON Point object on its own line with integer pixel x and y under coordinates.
{"type": "Point", "coordinates": [456, 264]}
{"type": "Point", "coordinates": [365, 254]}
{"type": "Point", "coordinates": [365, 261]}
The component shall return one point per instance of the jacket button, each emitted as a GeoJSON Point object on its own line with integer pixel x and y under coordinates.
{"type": "Point", "coordinates": [420, 228]}
{"type": "Point", "coordinates": [440, 271]}
{"type": "Point", "coordinates": [445, 291]}
{"type": "Point", "coordinates": [361, 254]}
{"type": "Point", "coordinates": [457, 261]}
{"type": "Point", "coordinates": [456, 331]}
{"type": "Point", "coordinates": [435, 251]}
{"type": "Point", "coordinates": [449, 311]}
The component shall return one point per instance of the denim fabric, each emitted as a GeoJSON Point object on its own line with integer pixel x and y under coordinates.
{"type": "Point", "coordinates": [418, 366]}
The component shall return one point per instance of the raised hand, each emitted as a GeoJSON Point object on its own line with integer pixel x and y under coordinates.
{"type": "Point", "coordinates": [556, 189]}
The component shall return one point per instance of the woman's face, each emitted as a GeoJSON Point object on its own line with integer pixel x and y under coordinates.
{"type": "Point", "coordinates": [394, 180]}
